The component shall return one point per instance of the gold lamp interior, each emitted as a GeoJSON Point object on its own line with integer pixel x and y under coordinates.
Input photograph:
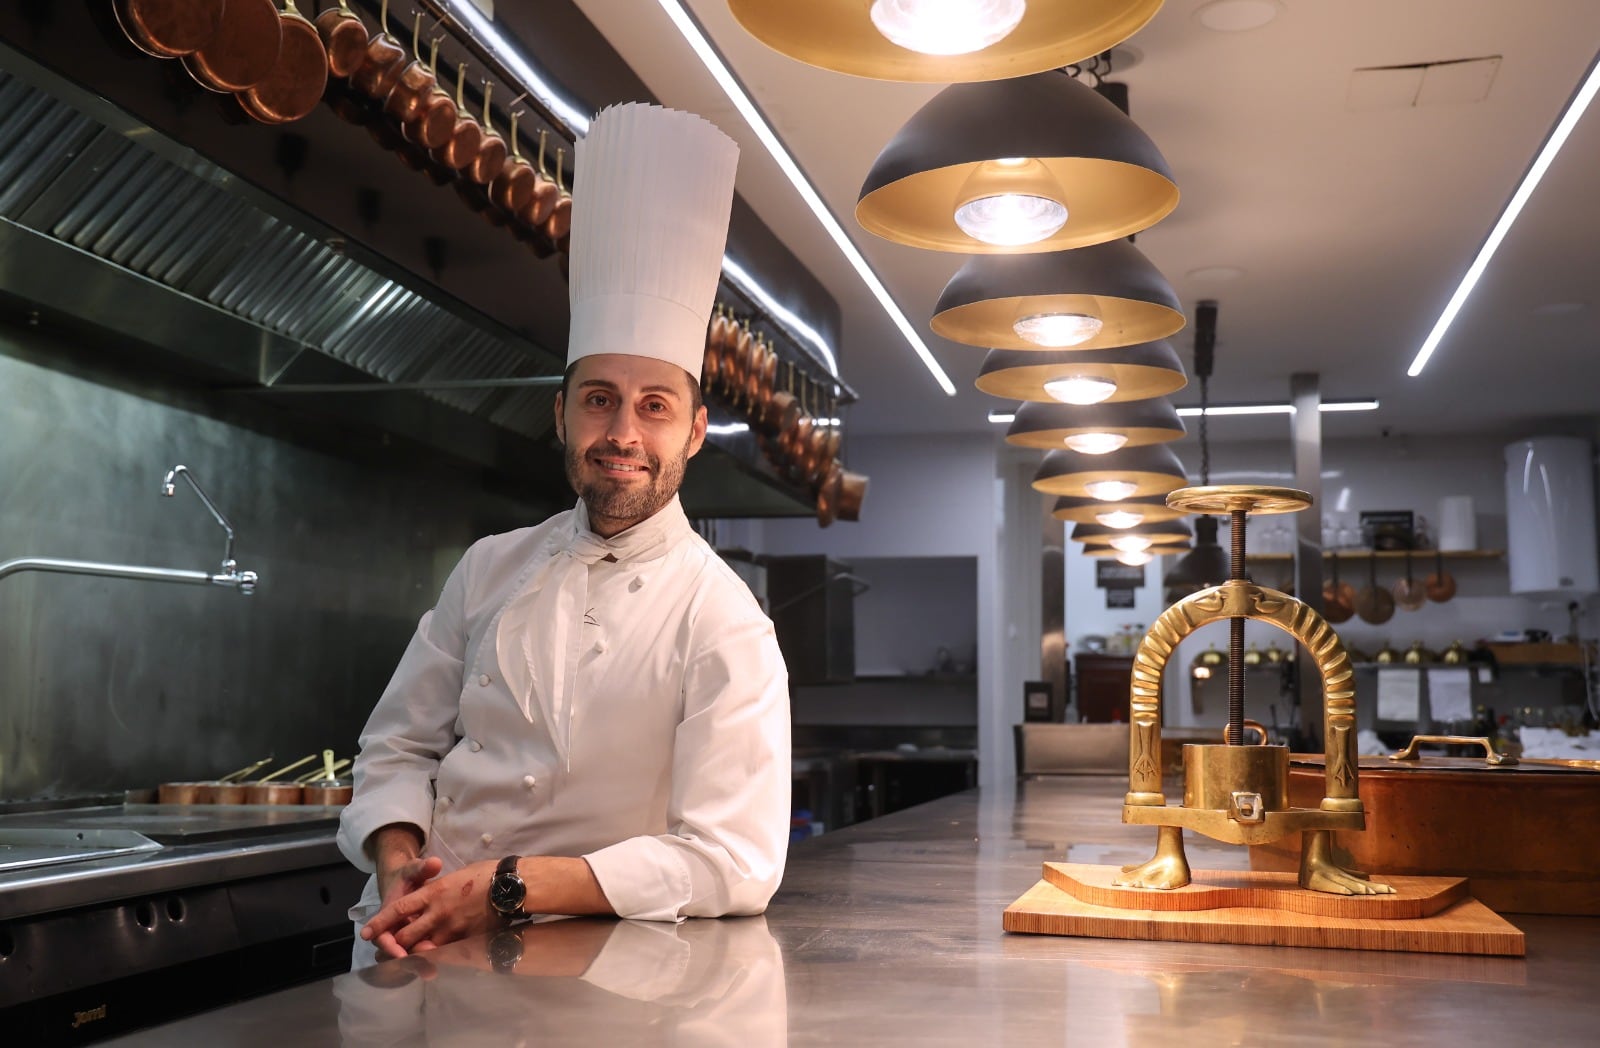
{"type": "Point", "coordinates": [840, 35]}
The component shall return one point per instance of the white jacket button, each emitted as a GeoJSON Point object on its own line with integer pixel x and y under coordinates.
{"type": "Point", "coordinates": [488, 838]}
{"type": "Point", "coordinates": [483, 680]}
{"type": "Point", "coordinates": [475, 745]}
{"type": "Point", "coordinates": [529, 781]}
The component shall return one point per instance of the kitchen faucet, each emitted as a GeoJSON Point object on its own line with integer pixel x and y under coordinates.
{"type": "Point", "coordinates": [230, 575]}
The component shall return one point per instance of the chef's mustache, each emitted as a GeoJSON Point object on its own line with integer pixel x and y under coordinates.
{"type": "Point", "coordinates": [616, 452]}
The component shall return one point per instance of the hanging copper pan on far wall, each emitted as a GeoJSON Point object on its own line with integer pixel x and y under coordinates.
{"type": "Point", "coordinates": [294, 86]}
{"type": "Point", "coordinates": [168, 28]}
{"type": "Point", "coordinates": [243, 50]}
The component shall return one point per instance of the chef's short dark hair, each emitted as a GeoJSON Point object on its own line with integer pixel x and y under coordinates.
{"type": "Point", "coordinates": [695, 397]}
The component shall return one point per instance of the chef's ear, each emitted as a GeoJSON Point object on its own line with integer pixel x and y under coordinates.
{"type": "Point", "coordinates": [561, 421]}
{"type": "Point", "coordinates": [697, 431]}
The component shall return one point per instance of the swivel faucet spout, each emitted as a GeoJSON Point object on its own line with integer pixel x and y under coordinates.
{"type": "Point", "coordinates": [243, 582]}
{"type": "Point", "coordinates": [169, 488]}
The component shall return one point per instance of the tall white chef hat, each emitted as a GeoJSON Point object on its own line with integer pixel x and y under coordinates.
{"type": "Point", "coordinates": [651, 196]}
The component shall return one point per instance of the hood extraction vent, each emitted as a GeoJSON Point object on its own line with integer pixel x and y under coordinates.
{"type": "Point", "coordinates": [65, 177]}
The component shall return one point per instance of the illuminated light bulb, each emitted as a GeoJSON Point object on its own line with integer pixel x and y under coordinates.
{"type": "Point", "coordinates": [1202, 672]}
{"type": "Point", "coordinates": [1058, 330]}
{"type": "Point", "coordinates": [1011, 219]}
{"type": "Point", "coordinates": [1119, 519]}
{"type": "Point", "coordinates": [1135, 559]}
{"type": "Point", "coordinates": [946, 27]}
{"type": "Point", "coordinates": [1110, 490]}
{"type": "Point", "coordinates": [1131, 543]}
{"type": "Point", "coordinates": [1080, 389]}
{"type": "Point", "coordinates": [1095, 443]}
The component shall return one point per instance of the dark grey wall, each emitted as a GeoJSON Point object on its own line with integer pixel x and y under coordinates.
{"type": "Point", "coordinates": [109, 684]}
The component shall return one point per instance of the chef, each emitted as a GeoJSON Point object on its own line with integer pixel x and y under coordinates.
{"type": "Point", "coordinates": [594, 716]}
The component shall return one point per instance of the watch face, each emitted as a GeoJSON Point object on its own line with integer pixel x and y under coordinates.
{"type": "Point", "coordinates": [506, 891]}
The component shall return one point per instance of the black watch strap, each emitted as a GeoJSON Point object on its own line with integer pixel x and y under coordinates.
{"type": "Point", "coordinates": [506, 890]}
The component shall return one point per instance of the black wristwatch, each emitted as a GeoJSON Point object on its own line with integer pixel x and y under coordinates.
{"type": "Point", "coordinates": [506, 890]}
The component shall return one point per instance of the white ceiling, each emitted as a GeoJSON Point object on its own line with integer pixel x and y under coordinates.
{"type": "Point", "coordinates": [1352, 227]}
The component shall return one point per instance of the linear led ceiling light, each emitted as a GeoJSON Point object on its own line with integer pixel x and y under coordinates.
{"type": "Point", "coordinates": [1541, 163]}
{"type": "Point", "coordinates": [701, 45]}
{"type": "Point", "coordinates": [1277, 409]}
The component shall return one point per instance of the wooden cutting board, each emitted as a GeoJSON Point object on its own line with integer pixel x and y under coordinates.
{"type": "Point", "coordinates": [1426, 914]}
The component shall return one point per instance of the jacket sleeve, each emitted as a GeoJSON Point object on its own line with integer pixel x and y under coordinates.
{"type": "Point", "coordinates": [728, 809]}
{"type": "Point", "coordinates": [412, 727]}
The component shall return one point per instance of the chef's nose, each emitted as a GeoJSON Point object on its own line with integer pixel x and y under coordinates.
{"type": "Point", "coordinates": [624, 429]}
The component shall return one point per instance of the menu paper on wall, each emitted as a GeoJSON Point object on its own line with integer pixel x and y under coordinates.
{"type": "Point", "coordinates": [1400, 695]}
{"type": "Point", "coordinates": [1450, 695]}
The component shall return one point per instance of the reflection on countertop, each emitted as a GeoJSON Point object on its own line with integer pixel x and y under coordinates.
{"type": "Point", "coordinates": [888, 933]}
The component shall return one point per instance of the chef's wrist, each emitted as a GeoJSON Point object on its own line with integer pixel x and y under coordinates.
{"type": "Point", "coordinates": [395, 842]}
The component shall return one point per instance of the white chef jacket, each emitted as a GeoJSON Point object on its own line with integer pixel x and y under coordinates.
{"type": "Point", "coordinates": [656, 746]}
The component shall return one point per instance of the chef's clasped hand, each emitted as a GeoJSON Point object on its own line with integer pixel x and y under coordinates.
{"type": "Point", "coordinates": [436, 911]}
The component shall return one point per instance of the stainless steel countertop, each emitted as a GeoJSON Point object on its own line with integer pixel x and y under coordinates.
{"type": "Point", "coordinates": [888, 933]}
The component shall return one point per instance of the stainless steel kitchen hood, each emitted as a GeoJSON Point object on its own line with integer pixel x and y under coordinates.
{"type": "Point", "coordinates": [147, 241]}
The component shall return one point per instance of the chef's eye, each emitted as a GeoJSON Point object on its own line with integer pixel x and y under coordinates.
{"type": "Point", "coordinates": [655, 407]}
{"type": "Point", "coordinates": [598, 399]}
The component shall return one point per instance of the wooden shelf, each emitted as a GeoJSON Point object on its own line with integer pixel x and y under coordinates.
{"type": "Point", "coordinates": [1388, 554]}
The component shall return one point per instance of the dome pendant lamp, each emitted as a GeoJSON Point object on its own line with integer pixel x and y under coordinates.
{"type": "Point", "coordinates": [1082, 376]}
{"type": "Point", "coordinates": [1165, 549]}
{"type": "Point", "coordinates": [942, 41]}
{"type": "Point", "coordinates": [1080, 509]}
{"type": "Point", "coordinates": [1163, 533]}
{"type": "Point", "coordinates": [1151, 469]}
{"type": "Point", "coordinates": [1136, 422]}
{"type": "Point", "coordinates": [1093, 298]}
{"type": "Point", "coordinates": [1039, 163]}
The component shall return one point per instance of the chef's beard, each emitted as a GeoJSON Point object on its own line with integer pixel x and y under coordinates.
{"type": "Point", "coordinates": [632, 503]}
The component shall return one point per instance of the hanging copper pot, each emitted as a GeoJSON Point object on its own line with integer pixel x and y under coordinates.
{"type": "Point", "coordinates": [345, 37]}
{"type": "Point", "coordinates": [491, 147]}
{"type": "Point", "coordinates": [435, 120]}
{"type": "Point", "coordinates": [828, 494]}
{"type": "Point", "coordinates": [466, 137]}
{"type": "Point", "coordinates": [546, 194]}
{"type": "Point", "coordinates": [512, 189]}
{"type": "Point", "coordinates": [559, 225]}
{"type": "Point", "coordinates": [752, 377]}
{"type": "Point", "coordinates": [1408, 592]}
{"type": "Point", "coordinates": [1440, 586]}
{"type": "Point", "coordinates": [1375, 604]}
{"type": "Point", "coordinates": [852, 492]}
{"type": "Point", "coordinates": [1338, 598]}
{"type": "Point", "coordinates": [784, 410]}
{"type": "Point", "coordinates": [383, 63]}
{"type": "Point", "coordinates": [414, 84]}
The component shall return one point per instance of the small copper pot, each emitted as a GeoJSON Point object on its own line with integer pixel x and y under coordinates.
{"type": "Point", "coordinates": [274, 793]}
{"type": "Point", "coordinates": [329, 792]}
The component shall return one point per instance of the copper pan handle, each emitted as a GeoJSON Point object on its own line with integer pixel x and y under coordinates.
{"type": "Point", "coordinates": [1490, 757]}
